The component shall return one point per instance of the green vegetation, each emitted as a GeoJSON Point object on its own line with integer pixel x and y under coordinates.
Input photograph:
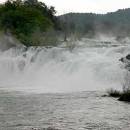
{"type": "Point", "coordinates": [125, 96]}
{"type": "Point", "coordinates": [33, 23]}
{"type": "Point", "coordinates": [114, 93]}
{"type": "Point", "coordinates": [122, 96]}
{"type": "Point", "coordinates": [27, 20]}
{"type": "Point", "coordinates": [90, 24]}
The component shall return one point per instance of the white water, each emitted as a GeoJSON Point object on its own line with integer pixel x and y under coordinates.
{"type": "Point", "coordinates": [59, 70]}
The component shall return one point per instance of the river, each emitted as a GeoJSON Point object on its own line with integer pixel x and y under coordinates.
{"type": "Point", "coordinates": [61, 88]}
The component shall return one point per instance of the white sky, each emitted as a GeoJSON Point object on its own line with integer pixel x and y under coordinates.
{"type": "Point", "coordinates": [96, 6]}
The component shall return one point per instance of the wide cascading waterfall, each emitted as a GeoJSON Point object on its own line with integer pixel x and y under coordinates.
{"type": "Point", "coordinates": [60, 70]}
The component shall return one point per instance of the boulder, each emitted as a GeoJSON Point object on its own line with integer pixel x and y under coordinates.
{"type": "Point", "coordinates": [126, 61]}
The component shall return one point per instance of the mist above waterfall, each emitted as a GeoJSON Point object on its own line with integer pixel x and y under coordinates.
{"type": "Point", "coordinates": [8, 41]}
{"type": "Point", "coordinates": [56, 69]}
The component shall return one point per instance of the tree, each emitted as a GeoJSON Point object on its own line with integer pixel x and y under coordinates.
{"type": "Point", "coordinates": [31, 2]}
{"type": "Point", "coordinates": [22, 19]}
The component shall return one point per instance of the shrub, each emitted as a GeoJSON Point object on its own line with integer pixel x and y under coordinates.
{"type": "Point", "coordinates": [125, 96]}
{"type": "Point", "coordinates": [22, 19]}
{"type": "Point", "coordinates": [114, 93]}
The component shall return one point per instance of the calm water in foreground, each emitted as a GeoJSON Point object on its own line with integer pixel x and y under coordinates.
{"type": "Point", "coordinates": [73, 111]}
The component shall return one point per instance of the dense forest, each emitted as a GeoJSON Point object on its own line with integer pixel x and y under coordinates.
{"type": "Point", "coordinates": [28, 21]}
{"type": "Point", "coordinates": [34, 23]}
{"type": "Point", "coordinates": [114, 23]}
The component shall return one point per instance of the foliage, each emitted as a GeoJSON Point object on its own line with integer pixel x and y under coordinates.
{"type": "Point", "coordinates": [114, 93]}
{"type": "Point", "coordinates": [24, 18]}
{"type": "Point", "coordinates": [125, 96]}
{"type": "Point", "coordinates": [91, 23]}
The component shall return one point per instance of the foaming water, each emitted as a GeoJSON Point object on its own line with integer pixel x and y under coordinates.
{"type": "Point", "coordinates": [70, 111]}
{"type": "Point", "coordinates": [86, 68]}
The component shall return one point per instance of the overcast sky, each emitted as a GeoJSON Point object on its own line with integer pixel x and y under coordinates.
{"type": "Point", "coordinates": [96, 6]}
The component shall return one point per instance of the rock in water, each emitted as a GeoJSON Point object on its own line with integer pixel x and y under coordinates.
{"type": "Point", "coordinates": [126, 61]}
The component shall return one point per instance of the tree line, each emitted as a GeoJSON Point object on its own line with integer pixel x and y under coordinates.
{"type": "Point", "coordinates": [27, 20]}
{"type": "Point", "coordinates": [33, 23]}
{"type": "Point", "coordinates": [114, 23]}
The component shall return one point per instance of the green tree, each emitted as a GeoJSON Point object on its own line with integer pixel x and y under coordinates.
{"type": "Point", "coordinates": [22, 19]}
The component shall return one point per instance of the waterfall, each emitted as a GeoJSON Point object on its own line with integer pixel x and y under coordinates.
{"type": "Point", "coordinates": [88, 67]}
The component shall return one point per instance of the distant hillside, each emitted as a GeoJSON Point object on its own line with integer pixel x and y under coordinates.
{"type": "Point", "coordinates": [116, 23]}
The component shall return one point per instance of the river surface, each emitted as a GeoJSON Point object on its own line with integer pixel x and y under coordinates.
{"type": "Point", "coordinates": [71, 111]}
{"type": "Point", "coordinates": [62, 89]}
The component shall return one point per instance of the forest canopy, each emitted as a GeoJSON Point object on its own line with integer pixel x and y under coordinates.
{"type": "Point", "coordinates": [22, 19]}
{"type": "Point", "coordinates": [114, 23]}
{"type": "Point", "coordinates": [33, 23]}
